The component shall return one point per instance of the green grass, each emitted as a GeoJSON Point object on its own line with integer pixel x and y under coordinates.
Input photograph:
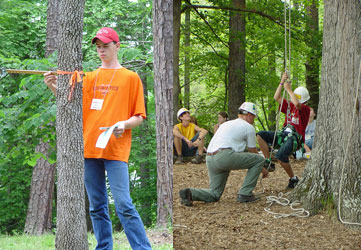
{"type": "Point", "coordinates": [47, 242]}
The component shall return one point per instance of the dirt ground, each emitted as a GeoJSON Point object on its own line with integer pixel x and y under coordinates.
{"type": "Point", "coordinates": [230, 225]}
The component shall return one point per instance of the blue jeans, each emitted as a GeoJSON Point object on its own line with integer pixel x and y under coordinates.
{"type": "Point", "coordinates": [284, 151]}
{"type": "Point", "coordinates": [309, 143]}
{"type": "Point", "coordinates": [188, 151]}
{"type": "Point", "coordinates": [118, 177]}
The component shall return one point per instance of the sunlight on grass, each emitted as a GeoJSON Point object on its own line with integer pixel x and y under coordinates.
{"type": "Point", "coordinates": [47, 242]}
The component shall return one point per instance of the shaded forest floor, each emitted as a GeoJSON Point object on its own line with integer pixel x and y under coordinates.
{"type": "Point", "coordinates": [230, 225]}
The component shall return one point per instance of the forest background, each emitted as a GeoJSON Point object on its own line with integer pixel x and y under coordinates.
{"type": "Point", "coordinates": [207, 78]}
{"type": "Point", "coordinates": [28, 108]}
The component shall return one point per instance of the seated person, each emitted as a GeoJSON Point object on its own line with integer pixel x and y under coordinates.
{"type": "Point", "coordinates": [188, 138]}
{"type": "Point", "coordinates": [310, 131]}
{"type": "Point", "coordinates": [222, 117]}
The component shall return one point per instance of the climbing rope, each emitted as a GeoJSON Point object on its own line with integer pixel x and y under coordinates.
{"type": "Point", "coordinates": [347, 147]}
{"type": "Point", "coordinates": [280, 200]}
{"type": "Point", "coordinates": [288, 71]}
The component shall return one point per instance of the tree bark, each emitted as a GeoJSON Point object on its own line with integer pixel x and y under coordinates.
{"type": "Point", "coordinates": [237, 58]}
{"type": "Point", "coordinates": [187, 38]}
{"type": "Point", "coordinates": [163, 84]}
{"type": "Point", "coordinates": [313, 57]}
{"type": "Point", "coordinates": [52, 27]}
{"type": "Point", "coordinates": [176, 37]}
{"type": "Point", "coordinates": [326, 174]}
{"type": "Point", "coordinates": [71, 225]}
{"type": "Point", "coordinates": [39, 214]}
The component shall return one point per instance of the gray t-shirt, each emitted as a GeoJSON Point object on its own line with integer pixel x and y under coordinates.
{"type": "Point", "coordinates": [236, 134]}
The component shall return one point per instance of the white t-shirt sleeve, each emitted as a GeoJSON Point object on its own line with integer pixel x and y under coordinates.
{"type": "Point", "coordinates": [251, 137]}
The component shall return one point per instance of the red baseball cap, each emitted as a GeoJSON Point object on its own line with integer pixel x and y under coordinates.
{"type": "Point", "coordinates": [106, 35]}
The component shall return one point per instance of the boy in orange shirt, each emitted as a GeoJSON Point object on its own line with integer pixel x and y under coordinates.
{"type": "Point", "coordinates": [110, 94]}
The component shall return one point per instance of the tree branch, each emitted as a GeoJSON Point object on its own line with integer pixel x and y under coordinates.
{"type": "Point", "coordinates": [204, 19]}
{"type": "Point", "coordinates": [190, 6]}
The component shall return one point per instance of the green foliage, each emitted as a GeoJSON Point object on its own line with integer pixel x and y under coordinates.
{"type": "Point", "coordinates": [265, 46]}
{"type": "Point", "coordinates": [27, 107]}
{"type": "Point", "coordinates": [22, 28]}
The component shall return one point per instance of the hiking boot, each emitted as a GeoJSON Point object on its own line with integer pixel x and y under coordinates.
{"type": "Point", "coordinates": [179, 160]}
{"type": "Point", "coordinates": [292, 182]}
{"type": "Point", "coordinates": [197, 159]}
{"type": "Point", "coordinates": [246, 198]}
{"type": "Point", "coordinates": [186, 196]}
{"type": "Point", "coordinates": [269, 167]}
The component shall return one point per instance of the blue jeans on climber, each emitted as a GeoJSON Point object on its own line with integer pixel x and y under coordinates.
{"type": "Point", "coordinates": [286, 148]}
{"type": "Point", "coordinates": [95, 183]}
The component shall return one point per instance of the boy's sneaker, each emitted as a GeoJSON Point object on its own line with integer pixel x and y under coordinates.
{"type": "Point", "coordinates": [179, 160]}
{"type": "Point", "coordinates": [246, 198]}
{"type": "Point", "coordinates": [292, 182]}
{"type": "Point", "coordinates": [197, 159]}
{"type": "Point", "coordinates": [186, 196]}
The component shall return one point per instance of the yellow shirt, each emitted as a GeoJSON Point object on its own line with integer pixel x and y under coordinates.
{"type": "Point", "coordinates": [188, 132]}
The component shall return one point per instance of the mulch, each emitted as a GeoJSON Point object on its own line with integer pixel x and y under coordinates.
{"type": "Point", "coordinates": [227, 224]}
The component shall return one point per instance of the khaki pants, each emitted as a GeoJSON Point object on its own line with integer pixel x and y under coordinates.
{"type": "Point", "coordinates": [220, 165]}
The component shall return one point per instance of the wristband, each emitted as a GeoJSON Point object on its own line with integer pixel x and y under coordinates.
{"type": "Point", "coordinates": [199, 138]}
{"type": "Point", "coordinates": [281, 83]}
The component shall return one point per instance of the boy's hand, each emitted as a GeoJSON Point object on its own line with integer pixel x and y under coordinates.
{"type": "Point", "coordinates": [284, 77]}
{"type": "Point", "coordinates": [50, 80]}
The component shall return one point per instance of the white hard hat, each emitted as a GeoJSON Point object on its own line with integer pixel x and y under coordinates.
{"type": "Point", "coordinates": [249, 107]}
{"type": "Point", "coordinates": [181, 111]}
{"type": "Point", "coordinates": [302, 94]}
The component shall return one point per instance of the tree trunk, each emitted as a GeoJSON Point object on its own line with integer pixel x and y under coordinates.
{"type": "Point", "coordinates": [71, 225]}
{"type": "Point", "coordinates": [144, 168]}
{"type": "Point", "coordinates": [52, 26]}
{"type": "Point", "coordinates": [237, 58]}
{"type": "Point", "coordinates": [163, 84]}
{"type": "Point", "coordinates": [187, 38]}
{"type": "Point", "coordinates": [39, 215]}
{"type": "Point", "coordinates": [326, 174]}
{"type": "Point", "coordinates": [176, 36]}
{"type": "Point", "coordinates": [313, 42]}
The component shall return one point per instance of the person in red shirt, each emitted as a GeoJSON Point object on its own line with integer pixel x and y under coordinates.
{"type": "Point", "coordinates": [111, 94]}
{"type": "Point", "coordinates": [293, 132]}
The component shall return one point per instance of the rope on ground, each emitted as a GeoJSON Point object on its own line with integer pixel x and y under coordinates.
{"type": "Point", "coordinates": [298, 212]}
{"type": "Point", "coordinates": [345, 155]}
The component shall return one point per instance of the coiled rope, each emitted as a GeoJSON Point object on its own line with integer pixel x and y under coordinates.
{"type": "Point", "coordinates": [280, 200]}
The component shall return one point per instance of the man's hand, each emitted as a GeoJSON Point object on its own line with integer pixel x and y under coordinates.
{"type": "Point", "coordinates": [119, 130]}
{"type": "Point", "coordinates": [264, 173]}
{"type": "Point", "coordinates": [50, 80]}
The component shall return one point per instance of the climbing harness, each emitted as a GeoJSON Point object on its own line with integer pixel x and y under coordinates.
{"type": "Point", "coordinates": [286, 133]}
